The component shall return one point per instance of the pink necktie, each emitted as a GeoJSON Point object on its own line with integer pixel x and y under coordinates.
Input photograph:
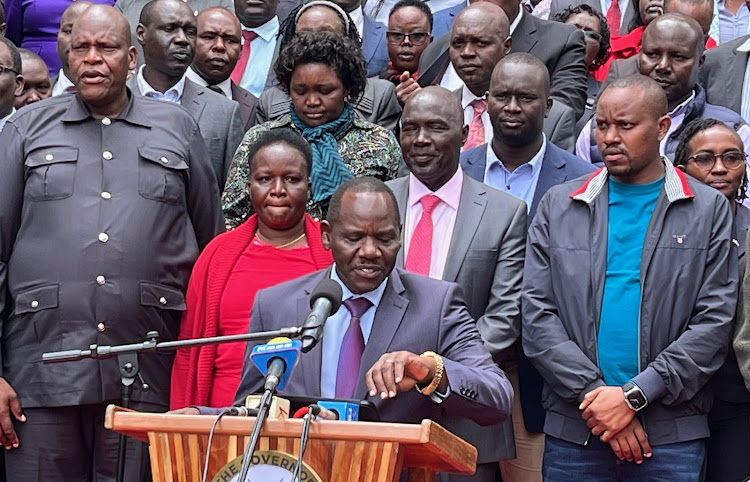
{"type": "Point", "coordinates": [420, 248]}
{"type": "Point", "coordinates": [239, 69]}
{"type": "Point", "coordinates": [476, 128]}
{"type": "Point", "coordinates": [614, 17]}
{"type": "Point", "coordinates": [352, 347]}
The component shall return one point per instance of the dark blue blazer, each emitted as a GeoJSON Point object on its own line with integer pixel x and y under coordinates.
{"type": "Point", "coordinates": [558, 166]}
{"type": "Point", "coordinates": [374, 47]}
{"type": "Point", "coordinates": [442, 21]}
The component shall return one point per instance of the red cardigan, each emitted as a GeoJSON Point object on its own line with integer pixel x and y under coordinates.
{"type": "Point", "coordinates": [192, 372]}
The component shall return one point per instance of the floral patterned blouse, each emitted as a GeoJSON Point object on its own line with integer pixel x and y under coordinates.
{"type": "Point", "coordinates": [367, 150]}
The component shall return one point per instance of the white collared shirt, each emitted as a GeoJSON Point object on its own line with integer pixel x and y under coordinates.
{"type": "Point", "coordinates": [624, 6]}
{"type": "Point", "coordinates": [466, 99]}
{"type": "Point", "coordinates": [173, 94]}
{"type": "Point", "coordinates": [226, 86]}
{"type": "Point", "coordinates": [261, 56]}
{"type": "Point", "coordinates": [516, 21]}
{"type": "Point", "coordinates": [358, 18]}
{"type": "Point", "coordinates": [335, 329]}
{"type": "Point", "coordinates": [731, 26]}
{"type": "Point", "coordinates": [5, 119]}
{"type": "Point", "coordinates": [745, 110]}
{"type": "Point", "coordinates": [61, 84]}
{"type": "Point", "coordinates": [521, 182]}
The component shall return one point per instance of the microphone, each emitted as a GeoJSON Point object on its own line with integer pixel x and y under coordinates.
{"type": "Point", "coordinates": [242, 411]}
{"type": "Point", "coordinates": [341, 410]}
{"type": "Point", "coordinates": [324, 301]}
{"type": "Point", "coordinates": [276, 360]}
{"type": "Point", "coordinates": [323, 413]}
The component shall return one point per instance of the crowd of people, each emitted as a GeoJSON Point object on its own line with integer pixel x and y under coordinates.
{"type": "Point", "coordinates": [535, 210]}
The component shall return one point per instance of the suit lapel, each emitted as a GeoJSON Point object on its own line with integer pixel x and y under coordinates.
{"type": "Point", "coordinates": [550, 175]}
{"type": "Point", "coordinates": [524, 37]}
{"type": "Point", "coordinates": [475, 161]}
{"type": "Point", "coordinates": [193, 100]}
{"type": "Point", "coordinates": [736, 70]}
{"type": "Point", "coordinates": [470, 211]}
{"type": "Point", "coordinates": [388, 318]}
{"type": "Point", "coordinates": [400, 188]}
{"type": "Point", "coordinates": [311, 362]}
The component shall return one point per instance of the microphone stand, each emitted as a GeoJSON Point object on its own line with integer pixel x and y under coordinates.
{"type": "Point", "coordinates": [127, 359]}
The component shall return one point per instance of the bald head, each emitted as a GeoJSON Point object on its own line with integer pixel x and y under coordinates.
{"type": "Point", "coordinates": [148, 11]}
{"type": "Point", "coordinates": [219, 13]}
{"type": "Point", "coordinates": [69, 16]}
{"type": "Point", "coordinates": [647, 95]}
{"type": "Point", "coordinates": [432, 133]}
{"type": "Point", "coordinates": [217, 46]}
{"type": "Point", "coordinates": [675, 24]}
{"type": "Point", "coordinates": [480, 37]}
{"type": "Point", "coordinates": [702, 11]}
{"type": "Point", "coordinates": [529, 63]}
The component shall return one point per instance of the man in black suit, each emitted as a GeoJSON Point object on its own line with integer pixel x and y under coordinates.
{"type": "Point", "coordinates": [559, 46]}
{"type": "Point", "coordinates": [523, 164]}
{"type": "Point", "coordinates": [217, 50]}
{"type": "Point", "coordinates": [723, 75]}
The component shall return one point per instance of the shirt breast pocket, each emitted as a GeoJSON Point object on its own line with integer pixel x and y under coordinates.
{"type": "Point", "coordinates": [50, 173]}
{"type": "Point", "coordinates": [161, 175]}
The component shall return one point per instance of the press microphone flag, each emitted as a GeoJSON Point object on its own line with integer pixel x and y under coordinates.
{"type": "Point", "coordinates": [276, 360]}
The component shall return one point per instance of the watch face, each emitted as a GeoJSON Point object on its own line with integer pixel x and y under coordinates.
{"type": "Point", "coordinates": [636, 400]}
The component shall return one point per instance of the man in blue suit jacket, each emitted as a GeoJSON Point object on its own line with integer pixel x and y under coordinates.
{"type": "Point", "coordinates": [524, 164]}
{"type": "Point", "coordinates": [409, 314]}
{"type": "Point", "coordinates": [374, 48]}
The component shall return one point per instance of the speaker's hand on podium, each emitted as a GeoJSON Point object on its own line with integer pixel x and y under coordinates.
{"type": "Point", "coordinates": [9, 404]}
{"type": "Point", "coordinates": [401, 371]}
{"type": "Point", "coordinates": [185, 411]}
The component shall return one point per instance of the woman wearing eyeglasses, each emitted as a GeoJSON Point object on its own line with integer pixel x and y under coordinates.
{"type": "Point", "coordinates": [408, 35]}
{"type": "Point", "coordinates": [713, 153]}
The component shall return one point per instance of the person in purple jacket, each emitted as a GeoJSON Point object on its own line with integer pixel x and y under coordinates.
{"type": "Point", "coordinates": [33, 25]}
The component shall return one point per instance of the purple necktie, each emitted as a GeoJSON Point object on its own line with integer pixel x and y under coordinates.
{"type": "Point", "coordinates": [352, 347]}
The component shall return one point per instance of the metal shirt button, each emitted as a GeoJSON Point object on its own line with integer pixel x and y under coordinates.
{"type": "Point", "coordinates": [34, 304]}
{"type": "Point", "coordinates": [49, 157]}
{"type": "Point", "coordinates": [100, 327]}
{"type": "Point", "coordinates": [106, 121]}
{"type": "Point", "coordinates": [163, 300]}
{"type": "Point", "coordinates": [107, 155]}
{"type": "Point", "coordinates": [103, 237]}
{"type": "Point", "coordinates": [100, 280]}
{"type": "Point", "coordinates": [106, 195]}
{"type": "Point", "coordinates": [164, 160]}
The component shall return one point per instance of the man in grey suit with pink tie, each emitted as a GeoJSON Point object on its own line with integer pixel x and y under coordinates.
{"type": "Point", "coordinates": [480, 246]}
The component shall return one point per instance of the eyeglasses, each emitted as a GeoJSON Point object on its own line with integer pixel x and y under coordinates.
{"type": "Point", "coordinates": [416, 38]}
{"type": "Point", "coordinates": [592, 35]}
{"type": "Point", "coordinates": [732, 160]}
{"type": "Point", "coordinates": [4, 69]}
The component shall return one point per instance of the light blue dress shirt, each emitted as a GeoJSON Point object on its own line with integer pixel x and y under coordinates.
{"type": "Point", "coordinates": [261, 56]}
{"type": "Point", "coordinates": [521, 183]}
{"type": "Point", "coordinates": [731, 26]}
{"type": "Point", "coordinates": [336, 326]}
{"type": "Point", "coordinates": [5, 119]}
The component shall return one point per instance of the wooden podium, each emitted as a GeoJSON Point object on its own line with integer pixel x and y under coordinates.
{"type": "Point", "coordinates": [336, 451]}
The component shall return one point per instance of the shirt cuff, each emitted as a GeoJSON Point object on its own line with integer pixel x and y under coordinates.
{"type": "Point", "coordinates": [438, 397]}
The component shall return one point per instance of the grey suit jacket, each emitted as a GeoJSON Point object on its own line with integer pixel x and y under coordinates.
{"type": "Point", "coordinates": [218, 119]}
{"type": "Point", "coordinates": [485, 259]}
{"type": "Point", "coordinates": [416, 314]}
{"type": "Point", "coordinates": [248, 106]}
{"type": "Point", "coordinates": [378, 104]}
{"type": "Point", "coordinates": [557, 6]}
{"type": "Point", "coordinates": [723, 74]}
{"type": "Point", "coordinates": [559, 125]}
{"type": "Point", "coordinates": [559, 46]}
{"type": "Point", "coordinates": [132, 11]}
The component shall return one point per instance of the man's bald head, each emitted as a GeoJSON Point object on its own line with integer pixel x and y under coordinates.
{"type": "Point", "coordinates": [702, 11]}
{"type": "Point", "coordinates": [147, 13]}
{"type": "Point", "coordinates": [100, 58]}
{"type": "Point", "coordinates": [676, 24]}
{"type": "Point", "coordinates": [647, 94]}
{"type": "Point", "coordinates": [217, 46]}
{"type": "Point", "coordinates": [480, 37]}
{"type": "Point", "coordinates": [69, 16]}
{"type": "Point", "coordinates": [219, 13]}
{"type": "Point", "coordinates": [531, 63]}
{"type": "Point", "coordinates": [432, 133]}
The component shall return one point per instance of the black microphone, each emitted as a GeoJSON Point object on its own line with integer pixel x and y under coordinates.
{"type": "Point", "coordinates": [242, 411]}
{"type": "Point", "coordinates": [324, 301]}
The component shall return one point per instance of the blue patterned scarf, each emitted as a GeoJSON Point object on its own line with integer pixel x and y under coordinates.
{"type": "Point", "coordinates": [328, 169]}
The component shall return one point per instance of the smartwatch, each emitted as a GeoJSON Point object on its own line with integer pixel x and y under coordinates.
{"type": "Point", "coordinates": [634, 397]}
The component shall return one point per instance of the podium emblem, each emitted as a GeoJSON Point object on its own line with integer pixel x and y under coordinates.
{"type": "Point", "coordinates": [266, 466]}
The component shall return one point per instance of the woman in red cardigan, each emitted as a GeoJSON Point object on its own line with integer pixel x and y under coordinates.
{"type": "Point", "coordinates": [276, 244]}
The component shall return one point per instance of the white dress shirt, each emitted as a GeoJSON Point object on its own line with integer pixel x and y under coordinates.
{"type": "Point", "coordinates": [466, 99]}
{"type": "Point", "coordinates": [5, 119]}
{"type": "Point", "coordinates": [624, 6]}
{"type": "Point", "coordinates": [61, 84]}
{"type": "Point", "coordinates": [226, 86]}
{"type": "Point", "coordinates": [173, 94]}
{"type": "Point", "coordinates": [261, 56]}
{"type": "Point", "coordinates": [358, 18]}
{"type": "Point", "coordinates": [745, 110]}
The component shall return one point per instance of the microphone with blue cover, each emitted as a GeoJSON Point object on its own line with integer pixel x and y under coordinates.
{"type": "Point", "coordinates": [276, 360]}
{"type": "Point", "coordinates": [325, 300]}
